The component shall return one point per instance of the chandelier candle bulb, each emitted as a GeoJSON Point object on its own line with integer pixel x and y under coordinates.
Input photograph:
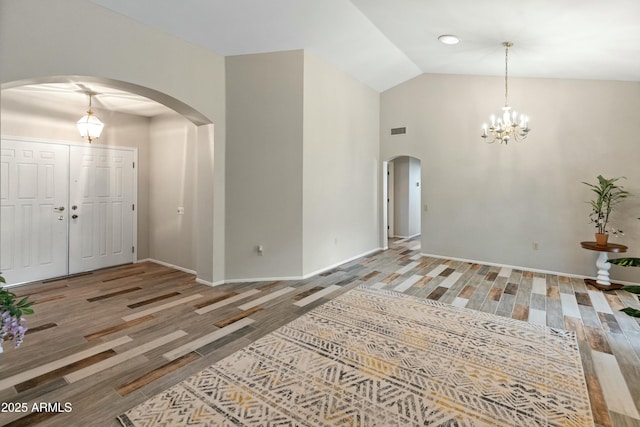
{"type": "Point", "coordinates": [510, 125]}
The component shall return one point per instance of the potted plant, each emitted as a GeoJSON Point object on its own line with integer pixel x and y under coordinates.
{"type": "Point", "coordinates": [608, 195]}
{"type": "Point", "coordinates": [629, 262]}
{"type": "Point", "coordinates": [12, 324]}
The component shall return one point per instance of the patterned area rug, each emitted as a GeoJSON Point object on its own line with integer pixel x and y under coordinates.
{"type": "Point", "coordinates": [380, 358]}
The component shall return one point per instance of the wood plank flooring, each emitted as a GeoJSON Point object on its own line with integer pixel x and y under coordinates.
{"type": "Point", "coordinates": [103, 342]}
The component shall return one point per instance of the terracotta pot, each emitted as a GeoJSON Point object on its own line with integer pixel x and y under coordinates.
{"type": "Point", "coordinates": [601, 239]}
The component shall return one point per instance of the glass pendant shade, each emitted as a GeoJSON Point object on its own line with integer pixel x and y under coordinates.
{"type": "Point", "coordinates": [90, 126]}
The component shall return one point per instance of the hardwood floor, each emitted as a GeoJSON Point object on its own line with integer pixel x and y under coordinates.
{"type": "Point", "coordinates": [103, 342]}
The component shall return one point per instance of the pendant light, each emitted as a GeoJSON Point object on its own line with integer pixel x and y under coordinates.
{"type": "Point", "coordinates": [90, 126]}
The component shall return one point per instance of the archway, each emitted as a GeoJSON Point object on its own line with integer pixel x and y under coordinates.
{"type": "Point", "coordinates": [168, 101]}
{"type": "Point", "coordinates": [200, 135]}
{"type": "Point", "coordinates": [402, 191]}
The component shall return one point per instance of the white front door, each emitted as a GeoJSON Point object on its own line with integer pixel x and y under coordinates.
{"type": "Point", "coordinates": [101, 208]}
{"type": "Point", "coordinates": [34, 211]}
{"type": "Point", "coordinates": [65, 209]}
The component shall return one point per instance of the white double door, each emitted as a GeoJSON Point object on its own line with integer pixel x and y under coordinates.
{"type": "Point", "coordinates": [64, 209]}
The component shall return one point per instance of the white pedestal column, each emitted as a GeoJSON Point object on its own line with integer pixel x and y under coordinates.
{"type": "Point", "coordinates": [603, 269]}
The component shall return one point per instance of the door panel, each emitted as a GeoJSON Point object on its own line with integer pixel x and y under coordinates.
{"type": "Point", "coordinates": [101, 189]}
{"type": "Point", "coordinates": [33, 217]}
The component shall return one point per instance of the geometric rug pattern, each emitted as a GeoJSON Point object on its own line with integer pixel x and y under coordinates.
{"type": "Point", "coordinates": [381, 358]}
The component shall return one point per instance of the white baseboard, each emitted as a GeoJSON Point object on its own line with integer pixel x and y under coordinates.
{"type": "Point", "coordinates": [306, 276]}
{"type": "Point", "coordinates": [211, 284]}
{"type": "Point", "coordinates": [166, 264]}
{"type": "Point", "coordinates": [535, 270]}
{"type": "Point", "coordinates": [406, 237]}
{"type": "Point", "coordinates": [186, 270]}
{"type": "Point", "coordinates": [262, 279]}
{"type": "Point", "coordinates": [331, 267]}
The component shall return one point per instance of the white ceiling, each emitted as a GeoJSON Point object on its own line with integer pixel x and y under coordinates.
{"type": "Point", "coordinates": [386, 42]}
{"type": "Point", "coordinates": [383, 43]}
{"type": "Point", "coordinates": [71, 97]}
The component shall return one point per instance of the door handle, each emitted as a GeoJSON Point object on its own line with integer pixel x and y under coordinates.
{"type": "Point", "coordinates": [59, 209]}
{"type": "Point", "coordinates": [74, 216]}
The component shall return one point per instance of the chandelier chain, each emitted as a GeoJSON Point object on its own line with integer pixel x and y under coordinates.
{"type": "Point", "coordinates": [506, 73]}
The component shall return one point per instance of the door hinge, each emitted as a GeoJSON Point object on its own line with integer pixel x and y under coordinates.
{"type": "Point", "coordinates": [134, 165]}
{"type": "Point", "coordinates": [133, 249]}
{"type": "Point", "coordinates": [133, 207]}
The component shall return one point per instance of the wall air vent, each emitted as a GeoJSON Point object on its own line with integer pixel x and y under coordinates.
{"type": "Point", "coordinates": [398, 131]}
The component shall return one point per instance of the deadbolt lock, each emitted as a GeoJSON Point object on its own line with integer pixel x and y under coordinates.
{"type": "Point", "coordinates": [74, 216]}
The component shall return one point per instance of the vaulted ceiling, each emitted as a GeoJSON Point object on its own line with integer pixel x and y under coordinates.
{"type": "Point", "coordinates": [386, 42]}
{"type": "Point", "coordinates": [383, 43]}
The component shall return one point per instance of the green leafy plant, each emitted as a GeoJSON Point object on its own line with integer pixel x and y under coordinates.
{"type": "Point", "coordinates": [626, 262]}
{"type": "Point", "coordinates": [12, 325]}
{"type": "Point", "coordinates": [8, 302]}
{"type": "Point", "coordinates": [608, 195]}
{"type": "Point", "coordinates": [629, 262]}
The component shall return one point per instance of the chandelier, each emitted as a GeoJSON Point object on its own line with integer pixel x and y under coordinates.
{"type": "Point", "coordinates": [90, 126]}
{"type": "Point", "coordinates": [508, 125]}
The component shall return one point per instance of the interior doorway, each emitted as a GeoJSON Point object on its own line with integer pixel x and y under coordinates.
{"type": "Point", "coordinates": [403, 193]}
{"type": "Point", "coordinates": [66, 209]}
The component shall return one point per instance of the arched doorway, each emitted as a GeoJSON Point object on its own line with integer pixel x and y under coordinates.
{"type": "Point", "coordinates": [174, 141]}
{"type": "Point", "coordinates": [402, 191]}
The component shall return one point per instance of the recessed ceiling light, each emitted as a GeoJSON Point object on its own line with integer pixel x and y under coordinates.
{"type": "Point", "coordinates": [449, 39]}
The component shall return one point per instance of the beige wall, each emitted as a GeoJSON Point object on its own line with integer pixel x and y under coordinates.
{"type": "Point", "coordinates": [79, 38]}
{"type": "Point", "coordinates": [340, 166]}
{"type": "Point", "coordinates": [173, 184]}
{"type": "Point", "coordinates": [302, 166]}
{"type": "Point", "coordinates": [491, 202]}
{"type": "Point", "coordinates": [264, 165]}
